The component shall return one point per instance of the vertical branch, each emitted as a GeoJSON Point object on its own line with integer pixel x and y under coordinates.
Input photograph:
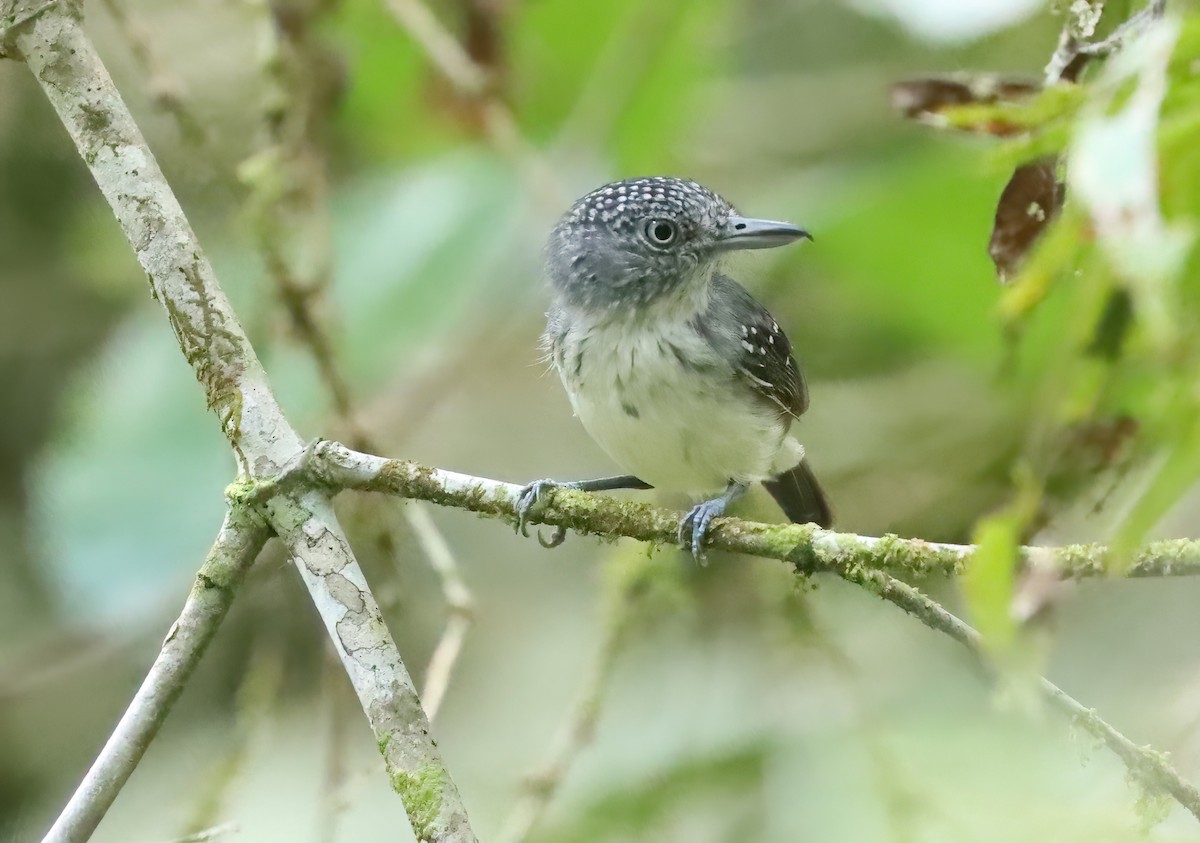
{"type": "Point", "coordinates": [291, 191]}
{"type": "Point", "coordinates": [458, 600]}
{"type": "Point", "coordinates": [543, 783]}
{"type": "Point", "coordinates": [289, 181]}
{"type": "Point", "coordinates": [333, 798]}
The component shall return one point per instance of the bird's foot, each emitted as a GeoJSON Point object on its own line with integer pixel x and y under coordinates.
{"type": "Point", "coordinates": [699, 519]}
{"type": "Point", "coordinates": [531, 496]}
{"type": "Point", "coordinates": [697, 523]}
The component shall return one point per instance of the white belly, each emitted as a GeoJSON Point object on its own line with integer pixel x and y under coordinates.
{"type": "Point", "coordinates": [675, 428]}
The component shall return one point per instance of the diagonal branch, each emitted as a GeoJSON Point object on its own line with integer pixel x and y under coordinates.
{"type": "Point", "coordinates": [856, 559]}
{"type": "Point", "coordinates": [238, 544]}
{"type": "Point", "coordinates": [1146, 766]}
{"type": "Point", "coordinates": [236, 387]}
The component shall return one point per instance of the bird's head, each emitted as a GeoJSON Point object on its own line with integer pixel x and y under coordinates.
{"type": "Point", "coordinates": [638, 241]}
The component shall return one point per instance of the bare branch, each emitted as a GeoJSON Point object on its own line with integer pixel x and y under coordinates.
{"type": "Point", "coordinates": [458, 600]}
{"type": "Point", "coordinates": [1146, 766]}
{"type": "Point", "coordinates": [79, 88]}
{"type": "Point", "coordinates": [238, 544]}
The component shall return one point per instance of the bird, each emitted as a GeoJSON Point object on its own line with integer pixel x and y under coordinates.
{"type": "Point", "coordinates": [685, 380]}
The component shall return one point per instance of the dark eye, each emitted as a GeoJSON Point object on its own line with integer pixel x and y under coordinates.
{"type": "Point", "coordinates": [661, 232]}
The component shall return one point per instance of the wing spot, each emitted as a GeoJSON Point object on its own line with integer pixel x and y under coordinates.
{"type": "Point", "coordinates": [749, 346]}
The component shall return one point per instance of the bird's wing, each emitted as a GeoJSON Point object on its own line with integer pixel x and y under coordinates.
{"type": "Point", "coordinates": [762, 351]}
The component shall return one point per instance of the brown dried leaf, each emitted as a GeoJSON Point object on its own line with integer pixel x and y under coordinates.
{"type": "Point", "coordinates": [927, 100]}
{"type": "Point", "coordinates": [1030, 201]}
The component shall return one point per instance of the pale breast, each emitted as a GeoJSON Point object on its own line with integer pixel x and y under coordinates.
{"type": "Point", "coordinates": [665, 407]}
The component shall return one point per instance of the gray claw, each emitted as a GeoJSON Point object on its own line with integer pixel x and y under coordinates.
{"type": "Point", "coordinates": [697, 522]}
{"type": "Point", "coordinates": [556, 538]}
{"type": "Point", "coordinates": [528, 498]}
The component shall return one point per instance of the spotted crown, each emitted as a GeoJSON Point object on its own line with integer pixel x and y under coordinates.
{"type": "Point", "coordinates": [622, 205]}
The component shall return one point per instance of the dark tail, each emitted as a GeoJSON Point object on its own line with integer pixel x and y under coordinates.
{"type": "Point", "coordinates": [800, 497]}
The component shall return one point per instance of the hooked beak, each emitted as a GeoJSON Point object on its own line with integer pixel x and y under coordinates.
{"type": "Point", "coordinates": [746, 233]}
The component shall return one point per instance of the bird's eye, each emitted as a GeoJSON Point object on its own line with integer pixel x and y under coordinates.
{"type": "Point", "coordinates": [661, 232]}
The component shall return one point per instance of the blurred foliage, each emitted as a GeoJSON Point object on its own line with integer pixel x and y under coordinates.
{"type": "Point", "coordinates": [735, 705]}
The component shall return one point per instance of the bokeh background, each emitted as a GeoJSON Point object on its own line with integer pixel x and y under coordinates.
{"type": "Point", "coordinates": [325, 160]}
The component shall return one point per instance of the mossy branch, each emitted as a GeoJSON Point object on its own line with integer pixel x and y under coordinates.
{"type": "Point", "coordinates": [809, 548]}
{"type": "Point", "coordinates": [865, 561]}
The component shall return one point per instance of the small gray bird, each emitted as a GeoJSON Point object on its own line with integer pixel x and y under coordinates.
{"type": "Point", "coordinates": [685, 380]}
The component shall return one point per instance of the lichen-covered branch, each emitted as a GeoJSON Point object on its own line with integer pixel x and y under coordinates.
{"type": "Point", "coordinates": [1146, 766]}
{"type": "Point", "coordinates": [809, 548]}
{"type": "Point", "coordinates": [238, 544]}
{"type": "Point", "coordinates": [856, 559]}
{"type": "Point", "coordinates": [62, 58]}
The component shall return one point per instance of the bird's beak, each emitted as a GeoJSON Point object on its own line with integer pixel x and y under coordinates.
{"type": "Point", "coordinates": [746, 233]}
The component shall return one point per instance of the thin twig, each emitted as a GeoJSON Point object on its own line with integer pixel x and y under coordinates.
{"type": "Point", "coordinates": [166, 89]}
{"type": "Point", "coordinates": [333, 788]}
{"type": "Point", "coordinates": [296, 117]}
{"type": "Point", "coordinates": [576, 734]}
{"type": "Point", "coordinates": [473, 82]}
{"type": "Point", "coordinates": [254, 701]}
{"type": "Point", "coordinates": [238, 544]}
{"type": "Point", "coordinates": [1146, 766]}
{"type": "Point", "coordinates": [289, 182]}
{"type": "Point", "coordinates": [459, 602]}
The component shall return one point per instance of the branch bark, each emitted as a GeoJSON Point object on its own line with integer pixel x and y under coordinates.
{"type": "Point", "coordinates": [857, 559]}
{"type": "Point", "coordinates": [809, 548]}
{"type": "Point", "coordinates": [238, 544]}
{"type": "Point", "coordinates": [51, 41]}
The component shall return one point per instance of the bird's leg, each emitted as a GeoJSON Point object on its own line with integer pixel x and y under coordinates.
{"type": "Point", "coordinates": [531, 495]}
{"type": "Point", "coordinates": [702, 514]}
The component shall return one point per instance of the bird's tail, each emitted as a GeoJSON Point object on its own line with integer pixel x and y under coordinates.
{"type": "Point", "coordinates": [800, 497]}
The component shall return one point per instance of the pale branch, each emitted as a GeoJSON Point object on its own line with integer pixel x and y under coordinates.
{"type": "Point", "coordinates": [52, 43]}
{"type": "Point", "coordinates": [857, 559]}
{"type": "Point", "coordinates": [1075, 50]}
{"type": "Point", "coordinates": [459, 603]}
{"type": "Point", "coordinates": [1146, 766]}
{"type": "Point", "coordinates": [809, 548]}
{"type": "Point", "coordinates": [238, 544]}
